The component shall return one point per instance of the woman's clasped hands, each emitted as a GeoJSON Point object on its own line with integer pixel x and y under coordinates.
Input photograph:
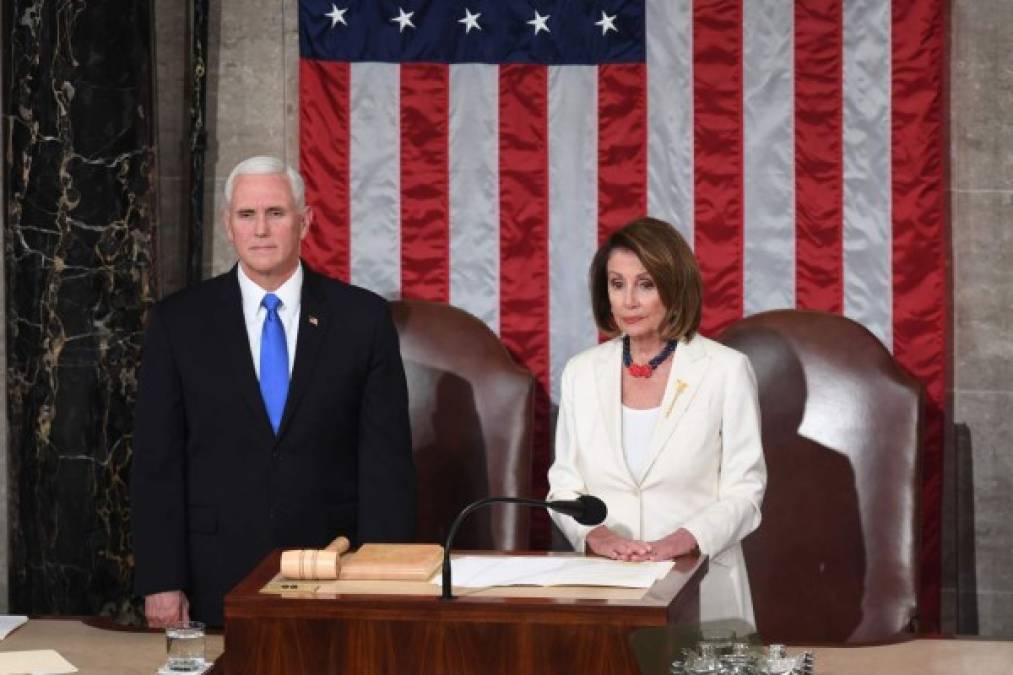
{"type": "Point", "coordinates": [606, 543]}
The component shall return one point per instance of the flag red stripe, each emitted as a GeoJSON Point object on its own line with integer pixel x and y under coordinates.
{"type": "Point", "coordinates": [921, 249]}
{"type": "Point", "coordinates": [524, 248]}
{"type": "Point", "coordinates": [717, 139]}
{"type": "Point", "coordinates": [323, 162]}
{"type": "Point", "coordinates": [819, 168]}
{"type": "Point", "coordinates": [622, 145]}
{"type": "Point", "coordinates": [425, 244]}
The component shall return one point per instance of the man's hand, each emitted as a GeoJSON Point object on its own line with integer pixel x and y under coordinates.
{"type": "Point", "coordinates": [674, 545]}
{"type": "Point", "coordinates": [608, 544]}
{"type": "Point", "coordinates": [162, 609]}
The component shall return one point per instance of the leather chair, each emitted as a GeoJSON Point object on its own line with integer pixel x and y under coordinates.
{"type": "Point", "coordinates": [836, 556]}
{"type": "Point", "coordinates": [471, 420]}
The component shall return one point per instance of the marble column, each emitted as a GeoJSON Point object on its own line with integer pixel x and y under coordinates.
{"type": "Point", "coordinates": [254, 47]}
{"type": "Point", "coordinates": [78, 255]}
{"type": "Point", "coordinates": [981, 181]}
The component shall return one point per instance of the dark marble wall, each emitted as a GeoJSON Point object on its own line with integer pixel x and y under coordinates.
{"type": "Point", "coordinates": [78, 123]}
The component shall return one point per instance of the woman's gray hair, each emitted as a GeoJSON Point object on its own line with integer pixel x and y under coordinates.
{"type": "Point", "coordinates": [264, 165]}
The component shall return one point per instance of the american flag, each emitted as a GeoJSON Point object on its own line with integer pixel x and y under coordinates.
{"type": "Point", "coordinates": [477, 151]}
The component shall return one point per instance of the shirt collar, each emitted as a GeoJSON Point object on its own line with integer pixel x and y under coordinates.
{"type": "Point", "coordinates": [289, 292]}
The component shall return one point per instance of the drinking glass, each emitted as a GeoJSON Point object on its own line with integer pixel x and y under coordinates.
{"type": "Point", "coordinates": [184, 644]}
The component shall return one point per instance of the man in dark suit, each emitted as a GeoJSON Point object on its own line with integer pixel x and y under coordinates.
{"type": "Point", "coordinates": [271, 412]}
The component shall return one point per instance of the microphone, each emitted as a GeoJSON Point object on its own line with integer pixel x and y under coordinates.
{"type": "Point", "coordinates": [585, 509]}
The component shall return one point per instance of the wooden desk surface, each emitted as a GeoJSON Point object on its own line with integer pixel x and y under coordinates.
{"type": "Point", "coordinates": [115, 652]}
{"type": "Point", "coordinates": [98, 651]}
{"type": "Point", "coordinates": [919, 657]}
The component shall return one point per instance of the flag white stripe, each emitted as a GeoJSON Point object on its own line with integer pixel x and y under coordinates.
{"type": "Point", "coordinates": [868, 233]}
{"type": "Point", "coordinates": [375, 178]}
{"type": "Point", "coordinates": [573, 211]}
{"type": "Point", "coordinates": [670, 113]}
{"type": "Point", "coordinates": [474, 191]}
{"type": "Point", "coordinates": [769, 155]}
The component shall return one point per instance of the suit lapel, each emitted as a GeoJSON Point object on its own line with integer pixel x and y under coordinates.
{"type": "Point", "coordinates": [688, 369]}
{"type": "Point", "coordinates": [237, 348]}
{"type": "Point", "coordinates": [313, 326]}
{"type": "Point", "coordinates": [608, 376]}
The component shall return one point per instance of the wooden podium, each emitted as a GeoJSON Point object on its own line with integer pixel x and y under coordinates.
{"type": "Point", "coordinates": [489, 632]}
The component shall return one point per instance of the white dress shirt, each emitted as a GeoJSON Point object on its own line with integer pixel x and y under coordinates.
{"type": "Point", "coordinates": [290, 294]}
{"type": "Point", "coordinates": [638, 425]}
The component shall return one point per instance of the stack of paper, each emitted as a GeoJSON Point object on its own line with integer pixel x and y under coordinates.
{"type": "Point", "coordinates": [8, 622]}
{"type": "Point", "coordinates": [36, 661]}
{"type": "Point", "coordinates": [485, 571]}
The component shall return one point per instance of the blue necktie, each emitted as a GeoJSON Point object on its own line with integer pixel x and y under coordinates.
{"type": "Point", "coordinates": [273, 362]}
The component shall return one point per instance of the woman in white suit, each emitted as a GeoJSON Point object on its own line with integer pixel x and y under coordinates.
{"type": "Point", "coordinates": [661, 423]}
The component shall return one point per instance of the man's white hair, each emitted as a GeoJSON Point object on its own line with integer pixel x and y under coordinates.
{"type": "Point", "coordinates": [265, 165]}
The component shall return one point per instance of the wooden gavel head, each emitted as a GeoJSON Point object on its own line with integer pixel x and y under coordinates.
{"type": "Point", "coordinates": [311, 563]}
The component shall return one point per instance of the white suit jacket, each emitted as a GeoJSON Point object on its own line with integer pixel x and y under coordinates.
{"type": "Point", "coordinates": [704, 469]}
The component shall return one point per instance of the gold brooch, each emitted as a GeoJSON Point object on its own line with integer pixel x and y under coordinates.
{"type": "Point", "coordinates": [680, 386]}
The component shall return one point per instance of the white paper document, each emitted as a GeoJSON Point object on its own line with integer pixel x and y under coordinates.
{"type": "Point", "coordinates": [37, 662]}
{"type": "Point", "coordinates": [484, 571]}
{"type": "Point", "coordinates": [8, 622]}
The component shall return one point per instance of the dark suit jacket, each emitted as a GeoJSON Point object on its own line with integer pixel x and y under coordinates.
{"type": "Point", "coordinates": [213, 490]}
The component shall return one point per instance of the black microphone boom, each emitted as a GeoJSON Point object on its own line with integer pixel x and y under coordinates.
{"type": "Point", "coordinates": [585, 509]}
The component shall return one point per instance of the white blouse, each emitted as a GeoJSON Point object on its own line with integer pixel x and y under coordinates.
{"type": "Point", "coordinates": [638, 425]}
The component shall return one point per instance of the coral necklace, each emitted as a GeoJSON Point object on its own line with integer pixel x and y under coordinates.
{"type": "Point", "coordinates": [646, 370]}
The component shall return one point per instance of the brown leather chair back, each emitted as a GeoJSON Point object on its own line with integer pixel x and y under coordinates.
{"type": "Point", "coordinates": [471, 420]}
{"type": "Point", "coordinates": [835, 558]}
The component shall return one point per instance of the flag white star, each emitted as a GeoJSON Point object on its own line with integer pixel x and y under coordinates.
{"type": "Point", "coordinates": [403, 19]}
{"type": "Point", "coordinates": [470, 21]}
{"type": "Point", "coordinates": [337, 16]}
{"type": "Point", "coordinates": [607, 23]}
{"type": "Point", "coordinates": [540, 22]}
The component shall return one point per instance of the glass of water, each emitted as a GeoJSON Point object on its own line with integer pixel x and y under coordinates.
{"type": "Point", "coordinates": [184, 644]}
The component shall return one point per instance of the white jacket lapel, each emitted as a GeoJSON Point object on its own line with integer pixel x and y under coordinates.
{"type": "Point", "coordinates": [608, 376]}
{"type": "Point", "coordinates": [688, 369]}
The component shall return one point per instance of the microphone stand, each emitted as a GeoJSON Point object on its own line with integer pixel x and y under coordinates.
{"type": "Point", "coordinates": [447, 595]}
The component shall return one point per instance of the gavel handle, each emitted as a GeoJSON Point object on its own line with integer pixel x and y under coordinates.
{"type": "Point", "coordinates": [339, 545]}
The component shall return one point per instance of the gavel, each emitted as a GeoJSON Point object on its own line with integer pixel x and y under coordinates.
{"type": "Point", "coordinates": [308, 563]}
